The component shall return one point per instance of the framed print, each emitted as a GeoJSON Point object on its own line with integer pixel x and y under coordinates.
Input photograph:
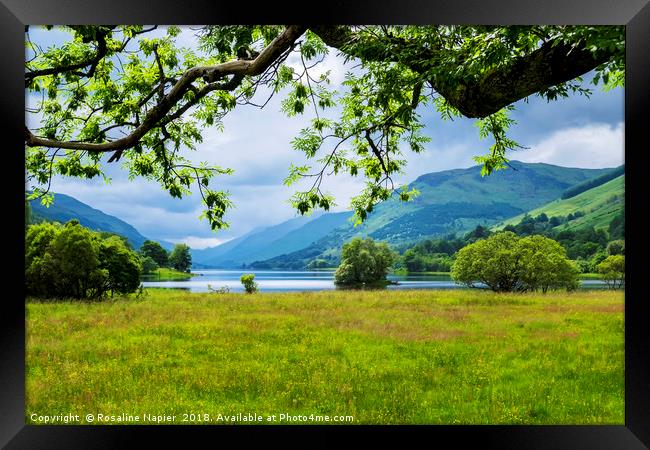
{"type": "Point", "coordinates": [407, 218]}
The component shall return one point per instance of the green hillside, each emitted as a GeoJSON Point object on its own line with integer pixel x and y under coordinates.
{"type": "Point", "coordinates": [589, 184]}
{"type": "Point", "coordinates": [65, 208]}
{"type": "Point", "coordinates": [600, 205]}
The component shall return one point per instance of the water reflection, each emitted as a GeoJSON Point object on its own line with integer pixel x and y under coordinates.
{"type": "Point", "coordinates": [279, 281]}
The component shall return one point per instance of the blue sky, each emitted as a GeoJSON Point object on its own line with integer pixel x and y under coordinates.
{"type": "Point", "coordinates": [573, 132]}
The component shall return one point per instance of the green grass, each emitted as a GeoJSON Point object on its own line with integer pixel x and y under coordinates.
{"type": "Point", "coordinates": [590, 276]}
{"type": "Point", "coordinates": [167, 274]}
{"type": "Point", "coordinates": [426, 357]}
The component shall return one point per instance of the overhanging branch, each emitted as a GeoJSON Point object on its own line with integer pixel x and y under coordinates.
{"type": "Point", "coordinates": [238, 68]}
{"type": "Point", "coordinates": [551, 64]}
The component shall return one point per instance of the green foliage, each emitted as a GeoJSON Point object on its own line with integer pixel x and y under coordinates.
{"type": "Point", "coordinates": [149, 265]}
{"type": "Point", "coordinates": [28, 215]}
{"type": "Point", "coordinates": [248, 280]}
{"type": "Point", "coordinates": [480, 232]}
{"type": "Point", "coordinates": [70, 261]}
{"type": "Point", "coordinates": [616, 227]}
{"type": "Point", "coordinates": [435, 262]}
{"type": "Point", "coordinates": [612, 269]}
{"type": "Point", "coordinates": [544, 265]}
{"type": "Point", "coordinates": [587, 246]}
{"type": "Point", "coordinates": [115, 93]}
{"type": "Point", "coordinates": [122, 264]}
{"type": "Point", "coordinates": [505, 262]}
{"type": "Point", "coordinates": [496, 125]}
{"type": "Point", "coordinates": [616, 247]}
{"type": "Point", "coordinates": [104, 235]}
{"type": "Point", "coordinates": [153, 250]}
{"type": "Point", "coordinates": [364, 262]}
{"type": "Point", "coordinates": [180, 258]}
{"type": "Point", "coordinates": [431, 255]}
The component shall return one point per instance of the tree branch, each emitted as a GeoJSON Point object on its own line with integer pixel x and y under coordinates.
{"type": "Point", "coordinates": [92, 62]}
{"type": "Point", "coordinates": [376, 151]}
{"type": "Point", "coordinates": [238, 68]}
{"type": "Point", "coordinates": [552, 63]}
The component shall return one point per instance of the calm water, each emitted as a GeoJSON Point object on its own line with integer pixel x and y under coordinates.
{"type": "Point", "coordinates": [277, 281]}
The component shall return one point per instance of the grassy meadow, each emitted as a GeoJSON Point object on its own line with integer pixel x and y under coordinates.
{"type": "Point", "coordinates": [382, 357]}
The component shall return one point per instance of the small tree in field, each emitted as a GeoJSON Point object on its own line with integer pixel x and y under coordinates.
{"type": "Point", "coordinates": [248, 280]}
{"type": "Point", "coordinates": [613, 271]}
{"type": "Point", "coordinates": [364, 262]}
{"type": "Point", "coordinates": [180, 258]}
{"type": "Point", "coordinates": [505, 263]}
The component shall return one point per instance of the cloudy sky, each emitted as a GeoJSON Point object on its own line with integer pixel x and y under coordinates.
{"type": "Point", "coordinates": [572, 132]}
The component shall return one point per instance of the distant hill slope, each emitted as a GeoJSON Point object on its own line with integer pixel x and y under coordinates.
{"type": "Point", "coordinates": [599, 204]}
{"type": "Point", "coordinates": [66, 208]}
{"type": "Point", "coordinates": [285, 237]}
{"type": "Point", "coordinates": [231, 253]}
{"type": "Point", "coordinates": [451, 201]}
{"type": "Point", "coordinates": [589, 184]}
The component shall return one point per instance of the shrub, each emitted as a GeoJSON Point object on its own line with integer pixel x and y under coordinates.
{"type": "Point", "coordinates": [248, 280]}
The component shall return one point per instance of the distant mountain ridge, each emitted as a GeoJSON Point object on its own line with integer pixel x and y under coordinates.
{"type": "Point", "coordinates": [269, 242]}
{"type": "Point", "coordinates": [450, 201]}
{"type": "Point", "coordinates": [65, 208]}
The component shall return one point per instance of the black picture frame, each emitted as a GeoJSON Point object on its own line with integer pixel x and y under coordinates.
{"type": "Point", "coordinates": [635, 14]}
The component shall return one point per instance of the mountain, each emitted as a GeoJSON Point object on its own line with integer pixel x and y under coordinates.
{"type": "Point", "coordinates": [599, 205]}
{"type": "Point", "coordinates": [285, 237]}
{"type": "Point", "coordinates": [451, 201]}
{"type": "Point", "coordinates": [65, 208]}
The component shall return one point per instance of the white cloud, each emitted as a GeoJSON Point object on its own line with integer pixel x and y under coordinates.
{"type": "Point", "coordinates": [590, 146]}
{"type": "Point", "coordinates": [197, 242]}
{"type": "Point", "coordinates": [436, 159]}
